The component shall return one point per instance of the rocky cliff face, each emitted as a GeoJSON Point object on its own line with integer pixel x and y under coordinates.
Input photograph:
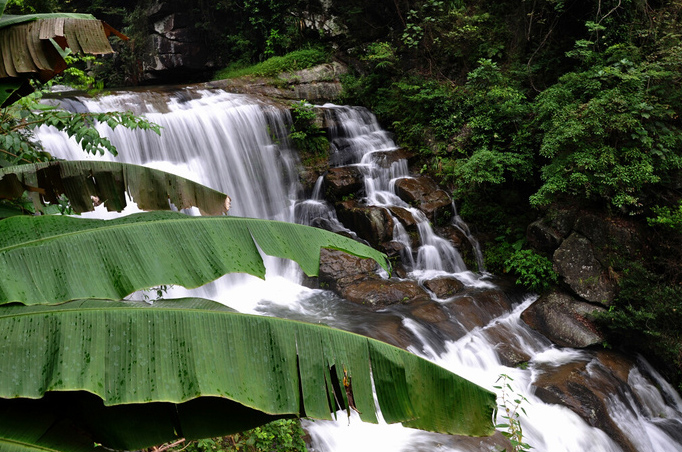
{"type": "Point", "coordinates": [589, 252]}
{"type": "Point", "coordinates": [179, 51]}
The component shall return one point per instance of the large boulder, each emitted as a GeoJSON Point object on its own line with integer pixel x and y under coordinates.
{"type": "Point", "coordinates": [342, 182]}
{"type": "Point", "coordinates": [610, 237]}
{"type": "Point", "coordinates": [378, 293]}
{"type": "Point", "coordinates": [423, 193]}
{"type": "Point", "coordinates": [543, 237]}
{"type": "Point", "coordinates": [372, 223]}
{"type": "Point", "coordinates": [578, 267]}
{"type": "Point", "coordinates": [339, 269]}
{"type": "Point", "coordinates": [586, 387]}
{"type": "Point", "coordinates": [564, 320]}
{"type": "Point", "coordinates": [479, 308]}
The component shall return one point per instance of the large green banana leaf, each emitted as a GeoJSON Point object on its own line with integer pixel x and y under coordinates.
{"type": "Point", "coordinates": [90, 182]}
{"type": "Point", "coordinates": [51, 259]}
{"type": "Point", "coordinates": [128, 375]}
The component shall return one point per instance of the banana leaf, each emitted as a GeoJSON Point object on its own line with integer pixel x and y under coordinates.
{"type": "Point", "coordinates": [30, 44]}
{"type": "Point", "coordinates": [51, 259]}
{"type": "Point", "coordinates": [87, 183]}
{"type": "Point", "coordinates": [128, 375]}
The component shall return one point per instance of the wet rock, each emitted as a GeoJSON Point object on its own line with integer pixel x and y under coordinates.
{"type": "Point", "coordinates": [543, 238]}
{"type": "Point", "coordinates": [338, 269]}
{"type": "Point", "coordinates": [444, 287]}
{"type": "Point", "coordinates": [479, 310]}
{"type": "Point", "coordinates": [423, 193]}
{"type": "Point", "coordinates": [374, 224]}
{"type": "Point", "coordinates": [564, 320]}
{"type": "Point", "coordinates": [434, 317]}
{"type": "Point", "coordinates": [378, 293]}
{"type": "Point", "coordinates": [429, 311]}
{"type": "Point", "coordinates": [495, 301]}
{"type": "Point", "coordinates": [342, 182]}
{"type": "Point", "coordinates": [454, 235]}
{"type": "Point", "coordinates": [405, 217]}
{"type": "Point", "coordinates": [574, 260]}
{"type": "Point", "coordinates": [387, 158]}
{"type": "Point", "coordinates": [388, 329]}
{"type": "Point", "coordinates": [509, 347]}
{"type": "Point", "coordinates": [586, 387]}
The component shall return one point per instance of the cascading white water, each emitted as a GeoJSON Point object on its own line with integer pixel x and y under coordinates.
{"type": "Point", "coordinates": [226, 141]}
{"type": "Point", "coordinates": [358, 139]}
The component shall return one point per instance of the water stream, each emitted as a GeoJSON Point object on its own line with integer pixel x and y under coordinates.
{"type": "Point", "coordinates": [238, 145]}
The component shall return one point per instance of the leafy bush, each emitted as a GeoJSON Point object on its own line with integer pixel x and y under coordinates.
{"type": "Point", "coordinates": [609, 129]}
{"type": "Point", "coordinates": [670, 218]}
{"type": "Point", "coordinates": [533, 271]}
{"type": "Point", "coordinates": [294, 61]}
{"type": "Point", "coordinates": [305, 134]}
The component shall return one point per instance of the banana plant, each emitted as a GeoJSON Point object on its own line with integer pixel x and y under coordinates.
{"type": "Point", "coordinates": [34, 46]}
{"type": "Point", "coordinates": [81, 368]}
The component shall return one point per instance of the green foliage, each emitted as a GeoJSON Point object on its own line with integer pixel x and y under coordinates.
{"type": "Point", "coordinates": [668, 217]}
{"type": "Point", "coordinates": [305, 134]}
{"type": "Point", "coordinates": [18, 122]}
{"type": "Point", "coordinates": [646, 317]}
{"type": "Point", "coordinates": [293, 61]}
{"type": "Point", "coordinates": [79, 74]}
{"type": "Point", "coordinates": [381, 55]}
{"type": "Point", "coordinates": [609, 130]}
{"type": "Point", "coordinates": [285, 435]}
{"type": "Point", "coordinates": [533, 271]}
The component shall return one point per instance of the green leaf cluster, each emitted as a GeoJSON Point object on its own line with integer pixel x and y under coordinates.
{"type": "Point", "coordinates": [533, 271]}
{"type": "Point", "coordinates": [609, 130]}
{"type": "Point", "coordinates": [306, 135]}
{"type": "Point", "coordinates": [19, 121]}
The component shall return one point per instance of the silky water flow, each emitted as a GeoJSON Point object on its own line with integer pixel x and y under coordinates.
{"type": "Point", "coordinates": [238, 145]}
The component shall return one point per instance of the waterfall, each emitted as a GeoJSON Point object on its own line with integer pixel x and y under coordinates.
{"type": "Point", "coordinates": [237, 144]}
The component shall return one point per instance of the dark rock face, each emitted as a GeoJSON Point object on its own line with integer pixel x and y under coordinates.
{"type": "Point", "coordinates": [422, 192]}
{"type": "Point", "coordinates": [564, 320]}
{"type": "Point", "coordinates": [585, 387]}
{"type": "Point", "coordinates": [574, 260]}
{"type": "Point", "coordinates": [609, 236]}
{"type": "Point", "coordinates": [339, 269]}
{"type": "Point", "coordinates": [543, 238]}
{"type": "Point", "coordinates": [179, 51]}
{"type": "Point", "coordinates": [342, 181]}
{"type": "Point", "coordinates": [371, 223]}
